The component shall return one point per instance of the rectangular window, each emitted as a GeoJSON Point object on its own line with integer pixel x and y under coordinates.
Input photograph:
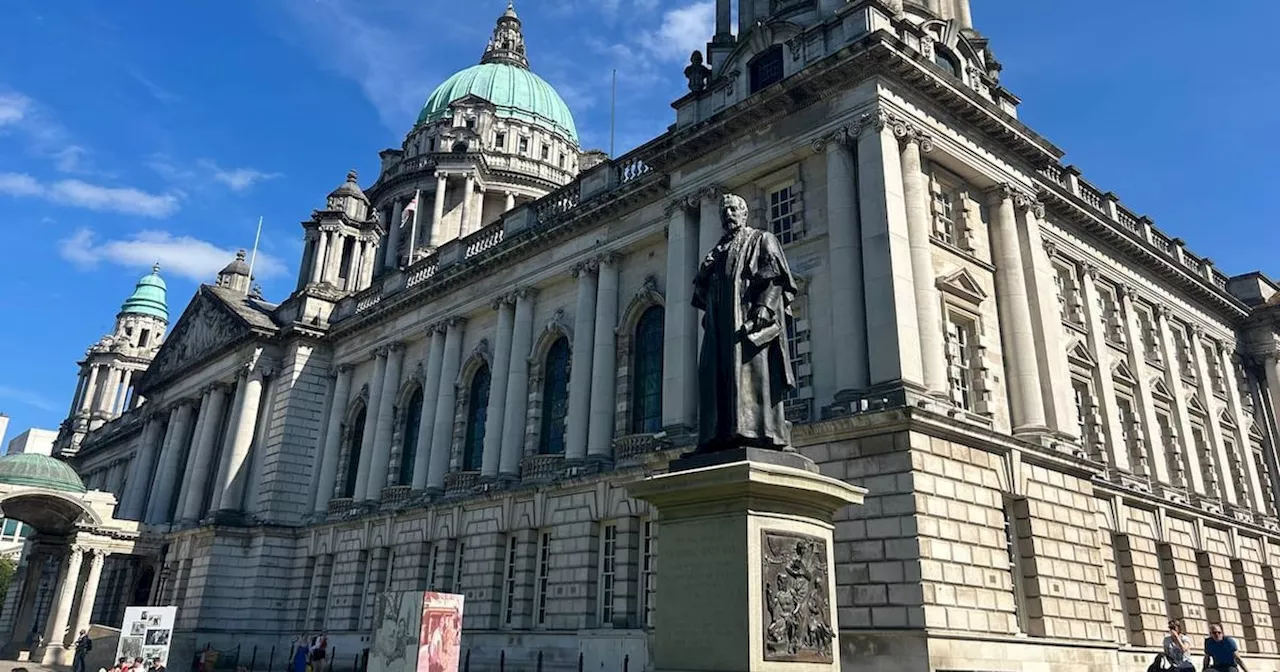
{"type": "Point", "coordinates": [1131, 433]}
{"type": "Point", "coordinates": [524, 145]}
{"type": "Point", "coordinates": [648, 573]}
{"type": "Point", "coordinates": [1172, 457]}
{"type": "Point", "coordinates": [509, 582]}
{"type": "Point", "coordinates": [562, 159]}
{"type": "Point", "coordinates": [1015, 564]}
{"type": "Point", "coordinates": [1200, 444]}
{"type": "Point", "coordinates": [546, 152]}
{"type": "Point", "coordinates": [1182, 352]}
{"type": "Point", "coordinates": [10, 529]}
{"type": "Point", "coordinates": [608, 572]}
{"type": "Point", "coordinates": [799, 400]}
{"type": "Point", "coordinates": [1236, 467]}
{"type": "Point", "coordinates": [1264, 477]}
{"type": "Point", "coordinates": [1068, 294]}
{"type": "Point", "coordinates": [961, 343]}
{"type": "Point", "coordinates": [144, 337]}
{"type": "Point", "coordinates": [540, 579]}
{"type": "Point", "coordinates": [1150, 337]}
{"type": "Point", "coordinates": [1084, 414]}
{"type": "Point", "coordinates": [1216, 377]}
{"type": "Point", "coordinates": [434, 566]}
{"type": "Point", "coordinates": [471, 123]}
{"type": "Point", "coordinates": [1112, 325]}
{"type": "Point", "coordinates": [458, 557]}
{"type": "Point", "coordinates": [500, 141]}
{"type": "Point", "coordinates": [784, 214]}
{"type": "Point", "coordinates": [948, 214]}
{"type": "Point", "coordinates": [389, 570]}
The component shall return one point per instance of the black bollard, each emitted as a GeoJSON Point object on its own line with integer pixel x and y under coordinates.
{"type": "Point", "coordinates": [580, 660]}
{"type": "Point", "coordinates": [466, 665]}
{"type": "Point", "coordinates": [539, 661]}
{"type": "Point", "coordinates": [626, 662]}
{"type": "Point", "coordinates": [502, 661]}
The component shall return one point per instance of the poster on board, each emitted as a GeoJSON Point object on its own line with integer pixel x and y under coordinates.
{"type": "Point", "coordinates": [145, 634]}
{"type": "Point", "coordinates": [440, 643]}
{"type": "Point", "coordinates": [395, 632]}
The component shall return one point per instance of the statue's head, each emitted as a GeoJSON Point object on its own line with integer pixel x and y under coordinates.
{"type": "Point", "coordinates": [733, 212]}
{"type": "Point", "coordinates": [696, 57]}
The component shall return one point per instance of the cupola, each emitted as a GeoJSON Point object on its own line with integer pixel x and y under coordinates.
{"type": "Point", "coordinates": [236, 275]}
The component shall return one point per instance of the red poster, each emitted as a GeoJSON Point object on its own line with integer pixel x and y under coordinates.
{"type": "Point", "coordinates": [440, 645]}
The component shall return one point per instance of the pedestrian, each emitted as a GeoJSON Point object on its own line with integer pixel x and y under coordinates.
{"type": "Point", "coordinates": [83, 646]}
{"type": "Point", "coordinates": [1221, 653]}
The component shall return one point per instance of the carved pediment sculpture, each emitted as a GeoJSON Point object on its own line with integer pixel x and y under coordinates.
{"type": "Point", "coordinates": [203, 328]}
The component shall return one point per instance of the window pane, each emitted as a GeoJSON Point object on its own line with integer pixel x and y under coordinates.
{"type": "Point", "coordinates": [353, 454]}
{"type": "Point", "coordinates": [646, 414]}
{"type": "Point", "coordinates": [477, 414]}
{"type": "Point", "coordinates": [409, 448]}
{"type": "Point", "coordinates": [555, 398]}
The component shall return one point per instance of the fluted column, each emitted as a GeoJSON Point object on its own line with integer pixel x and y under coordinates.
{"type": "Point", "coordinates": [1256, 497]}
{"type": "Point", "coordinates": [55, 633]}
{"type": "Point", "coordinates": [468, 195]}
{"type": "Point", "coordinates": [442, 431]}
{"type": "Point", "coordinates": [1114, 451]}
{"type": "Point", "coordinates": [892, 323]}
{"type": "Point", "coordinates": [321, 255]}
{"type": "Point", "coordinates": [915, 193]}
{"type": "Point", "coordinates": [496, 413]}
{"type": "Point", "coordinates": [132, 502]}
{"type": "Point", "coordinates": [430, 398]}
{"type": "Point", "coordinates": [516, 408]}
{"type": "Point", "coordinates": [393, 235]}
{"type": "Point", "coordinates": [172, 451]}
{"type": "Point", "coordinates": [844, 248]}
{"type": "Point", "coordinates": [510, 202]}
{"type": "Point", "coordinates": [206, 448]}
{"type": "Point", "coordinates": [1221, 467]}
{"type": "Point", "coordinates": [231, 484]}
{"type": "Point", "coordinates": [604, 361]}
{"type": "Point", "coordinates": [1016, 334]}
{"type": "Point", "coordinates": [370, 426]}
{"type": "Point", "coordinates": [331, 443]}
{"type": "Point", "coordinates": [90, 390]}
{"type": "Point", "coordinates": [437, 210]}
{"type": "Point", "coordinates": [90, 593]}
{"type": "Point", "coordinates": [584, 327]}
{"type": "Point", "coordinates": [1184, 445]}
{"type": "Point", "coordinates": [381, 459]}
{"type": "Point", "coordinates": [680, 328]}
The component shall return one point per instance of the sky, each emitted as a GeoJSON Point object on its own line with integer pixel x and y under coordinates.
{"type": "Point", "coordinates": [132, 133]}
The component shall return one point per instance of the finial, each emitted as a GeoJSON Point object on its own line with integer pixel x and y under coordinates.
{"type": "Point", "coordinates": [240, 255]}
{"type": "Point", "coordinates": [511, 9]}
{"type": "Point", "coordinates": [155, 268]}
{"type": "Point", "coordinates": [352, 175]}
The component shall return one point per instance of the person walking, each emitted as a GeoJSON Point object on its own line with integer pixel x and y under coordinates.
{"type": "Point", "coordinates": [83, 646]}
{"type": "Point", "coordinates": [1222, 653]}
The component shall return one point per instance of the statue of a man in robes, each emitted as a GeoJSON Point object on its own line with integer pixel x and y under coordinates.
{"type": "Point", "coordinates": [744, 289]}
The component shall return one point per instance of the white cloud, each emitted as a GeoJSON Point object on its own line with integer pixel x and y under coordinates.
{"type": "Point", "coordinates": [13, 108]}
{"type": "Point", "coordinates": [236, 179]}
{"type": "Point", "coordinates": [683, 29]}
{"type": "Point", "coordinates": [184, 256]}
{"type": "Point", "coordinates": [70, 159]}
{"type": "Point", "coordinates": [80, 194]}
{"type": "Point", "coordinates": [27, 398]}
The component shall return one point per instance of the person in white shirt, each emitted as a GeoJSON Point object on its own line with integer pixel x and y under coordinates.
{"type": "Point", "coordinates": [1177, 648]}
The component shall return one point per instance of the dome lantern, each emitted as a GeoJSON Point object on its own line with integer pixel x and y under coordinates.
{"type": "Point", "coordinates": [149, 297]}
{"type": "Point", "coordinates": [507, 44]}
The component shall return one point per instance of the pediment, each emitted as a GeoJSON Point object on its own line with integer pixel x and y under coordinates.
{"type": "Point", "coordinates": [963, 285]}
{"type": "Point", "coordinates": [1080, 353]}
{"type": "Point", "coordinates": [1159, 389]}
{"type": "Point", "coordinates": [1226, 420]}
{"type": "Point", "coordinates": [1123, 373]}
{"type": "Point", "coordinates": [470, 100]}
{"type": "Point", "coordinates": [205, 328]}
{"type": "Point", "coordinates": [1194, 405]}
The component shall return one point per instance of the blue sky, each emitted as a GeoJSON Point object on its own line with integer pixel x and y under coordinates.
{"type": "Point", "coordinates": [136, 132]}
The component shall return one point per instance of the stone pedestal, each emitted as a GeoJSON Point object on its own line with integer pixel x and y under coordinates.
{"type": "Point", "coordinates": [747, 566]}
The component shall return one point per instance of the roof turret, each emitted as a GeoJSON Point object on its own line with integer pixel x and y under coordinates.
{"type": "Point", "coordinates": [149, 297]}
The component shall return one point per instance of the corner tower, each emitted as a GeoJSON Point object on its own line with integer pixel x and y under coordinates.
{"type": "Point", "coordinates": [492, 136]}
{"type": "Point", "coordinates": [105, 387]}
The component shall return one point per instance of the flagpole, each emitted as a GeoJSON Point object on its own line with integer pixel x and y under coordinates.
{"type": "Point", "coordinates": [413, 230]}
{"type": "Point", "coordinates": [256, 238]}
{"type": "Point", "coordinates": [613, 110]}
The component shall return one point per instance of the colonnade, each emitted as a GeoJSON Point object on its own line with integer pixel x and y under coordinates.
{"type": "Point", "coordinates": [105, 390]}
{"type": "Point", "coordinates": [330, 243]}
{"type": "Point", "coordinates": [433, 229]}
{"type": "Point", "coordinates": [193, 459]}
{"type": "Point", "coordinates": [74, 594]}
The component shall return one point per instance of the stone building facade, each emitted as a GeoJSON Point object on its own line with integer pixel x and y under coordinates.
{"type": "Point", "coordinates": [1065, 419]}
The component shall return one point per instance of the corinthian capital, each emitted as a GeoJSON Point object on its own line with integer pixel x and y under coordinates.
{"type": "Point", "coordinates": [711, 192]}
{"type": "Point", "coordinates": [587, 266]}
{"type": "Point", "coordinates": [831, 141]}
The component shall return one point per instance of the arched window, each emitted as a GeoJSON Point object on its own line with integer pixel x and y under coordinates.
{"type": "Point", "coordinates": [409, 448]}
{"type": "Point", "coordinates": [646, 381]}
{"type": "Point", "coordinates": [477, 414]}
{"type": "Point", "coordinates": [946, 61]}
{"type": "Point", "coordinates": [555, 398]}
{"type": "Point", "coordinates": [354, 439]}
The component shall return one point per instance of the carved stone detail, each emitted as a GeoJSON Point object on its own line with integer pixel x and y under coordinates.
{"type": "Point", "coordinates": [203, 329]}
{"type": "Point", "coordinates": [797, 608]}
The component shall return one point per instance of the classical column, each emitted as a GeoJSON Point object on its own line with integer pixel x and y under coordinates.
{"type": "Point", "coordinates": [442, 429]}
{"type": "Point", "coordinates": [1114, 451]}
{"type": "Point", "coordinates": [1016, 334]}
{"type": "Point", "coordinates": [915, 194]}
{"type": "Point", "coordinates": [206, 448]}
{"type": "Point", "coordinates": [1051, 344]}
{"type": "Point", "coordinates": [90, 390]}
{"type": "Point", "coordinates": [131, 503]}
{"type": "Point", "coordinates": [228, 437]}
{"type": "Point", "coordinates": [495, 415]}
{"type": "Point", "coordinates": [173, 449]}
{"type": "Point", "coordinates": [604, 361]}
{"type": "Point", "coordinates": [321, 256]}
{"type": "Point", "coordinates": [109, 395]}
{"type": "Point", "coordinates": [55, 635]}
{"type": "Point", "coordinates": [353, 266]}
{"type": "Point", "coordinates": [584, 327]}
{"type": "Point", "coordinates": [331, 443]}
{"type": "Point", "coordinates": [370, 426]}
{"type": "Point", "coordinates": [331, 267]}
{"type": "Point", "coordinates": [82, 381]}
{"type": "Point", "coordinates": [680, 327]}
{"type": "Point", "coordinates": [380, 254]}
{"type": "Point", "coordinates": [1256, 497]}
{"type": "Point", "coordinates": [1213, 427]}
{"type": "Point", "coordinates": [381, 459]}
{"type": "Point", "coordinates": [126, 380]}
{"type": "Point", "coordinates": [26, 605]}
{"type": "Point", "coordinates": [231, 484]}
{"type": "Point", "coordinates": [516, 407]}
{"type": "Point", "coordinates": [89, 595]}
{"type": "Point", "coordinates": [393, 235]}
{"type": "Point", "coordinates": [468, 195]}
{"type": "Point", "coordinates": [1183, 444]}
{"type": "Point", "coordinates": [892, 324]}
{"type": "Point", "coordinates": [437, 210]}
{"type": "Point", "coordinates": [510, 203]}
{"type": "Point", "coordinates": [430, 397]}
{"type": "Point", "coordinates": [710, 229]}
{"type": "Point", "coordinates": [844, 248]}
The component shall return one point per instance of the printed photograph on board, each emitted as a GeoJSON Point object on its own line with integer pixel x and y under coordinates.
{"type": "Point", "coordinates": [138, 629]}
{"type": "Point", "coordinates": [130, 647]}
{"type": "Point", "coordinates": [157, 637]}
{"type": "Point", "coordinates": [440, 640]}
{"type": "Point", "coordinates": [395, 632]}
{"type": "Point", "coordinates": [149, 634]}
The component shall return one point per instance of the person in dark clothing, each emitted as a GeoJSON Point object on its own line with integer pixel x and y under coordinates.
{"type": "Point", "coordinates": [1221, 653]}
{"type": "Point", "coordinates": [83, 646]}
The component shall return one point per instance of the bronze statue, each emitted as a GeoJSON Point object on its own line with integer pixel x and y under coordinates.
{"type": "Point", "coordinates": [744, 288]}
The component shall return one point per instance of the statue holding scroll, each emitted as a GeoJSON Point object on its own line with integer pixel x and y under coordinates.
{"type": "Point", "coordinates": [744, 289]}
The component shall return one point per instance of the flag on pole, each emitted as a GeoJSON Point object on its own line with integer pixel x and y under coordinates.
{"type": "Point", "coordinates": [410, 211]}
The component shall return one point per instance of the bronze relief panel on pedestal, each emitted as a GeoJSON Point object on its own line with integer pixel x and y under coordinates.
{"type": "Point", "coordinates": [797, 606]}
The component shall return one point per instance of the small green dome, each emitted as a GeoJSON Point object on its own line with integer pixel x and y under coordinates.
{"type": "Point", "coordinates": [39, 471]}
{"type": "Point", "coordinates": [148, 297]}
{"type": "Point", "coordinates": [516, 92]}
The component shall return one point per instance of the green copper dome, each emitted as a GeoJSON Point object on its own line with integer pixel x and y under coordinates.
{"type": "Point", "coordinates": [148, 297]}
{"type": "Point", "coordinates": [39, 471]}
{"type": "Point", "coordinates": [515, 91]}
